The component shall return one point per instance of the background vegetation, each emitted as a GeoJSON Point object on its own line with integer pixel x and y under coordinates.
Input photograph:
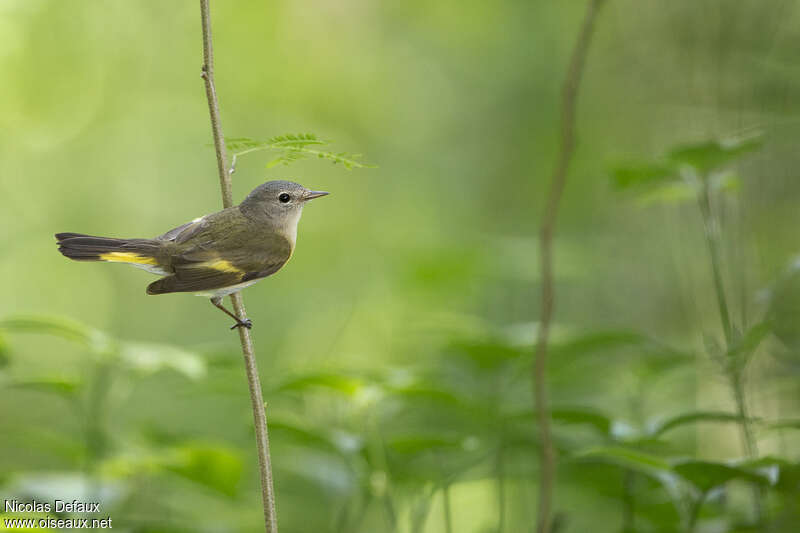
{"type": "Point", "coordinates": [396, 347]}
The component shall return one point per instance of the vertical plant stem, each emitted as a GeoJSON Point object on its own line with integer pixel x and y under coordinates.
{"type": "Point", "coordinates": [694, 512]}
{"type": "Point", "coordinates": [629, 499]}
{"type": "Point", "coordinates": [500, 472]}
{"type": "Point", "coordinates": [251, 369]}
{"type": "Point", "coordinates": [733, 369]}
{"type": "Point", "coordinates": [712, 241]}
{"type": "Point", "coordinates": [96, 414]}
{"type": "Point", "coordinates": [547, 459]}
{"type": "Point", "coordinates": [377, 452]}
{"type": "Point", "coordinates": [448, 514]}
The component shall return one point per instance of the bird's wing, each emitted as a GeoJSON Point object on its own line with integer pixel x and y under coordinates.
{"type": "Point", "coordinates": [201, 226]}
{"type": "Point", "coordinates": [207, 266]}
{"type": "Point", "coordinates": [183, 231]}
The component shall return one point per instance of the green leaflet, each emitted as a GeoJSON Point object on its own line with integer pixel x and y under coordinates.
{"type": "Point", "coordinates": [293, 147]}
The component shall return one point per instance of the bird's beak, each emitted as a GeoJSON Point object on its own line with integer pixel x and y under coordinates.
{"type": "Point", "coordinates": [310, 195]}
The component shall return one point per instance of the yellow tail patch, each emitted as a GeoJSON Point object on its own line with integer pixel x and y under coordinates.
{"type": "Point", "coordinates": [128, 257]}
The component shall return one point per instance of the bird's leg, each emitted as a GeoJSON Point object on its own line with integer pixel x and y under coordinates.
{"type": "Point", "coordinates": [246, 323]}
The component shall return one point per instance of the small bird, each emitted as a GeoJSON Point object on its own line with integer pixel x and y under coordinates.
{"type": "Point", "coordinates": [214, 255]}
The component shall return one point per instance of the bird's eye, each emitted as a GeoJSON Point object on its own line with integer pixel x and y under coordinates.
{"type": "Point", "coordinates": [284, 197]}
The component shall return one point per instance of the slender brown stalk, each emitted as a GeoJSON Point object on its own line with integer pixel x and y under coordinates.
{"type": "Point", "coordinates": [253, 381]}
{"type": "Point", "coordinates": [569, 95]}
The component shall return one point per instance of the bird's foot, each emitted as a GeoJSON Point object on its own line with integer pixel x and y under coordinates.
{"type": "Point", "coordinates": [246, 323]}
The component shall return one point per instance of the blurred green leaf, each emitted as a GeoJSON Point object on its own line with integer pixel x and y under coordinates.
{"type": "Point", "coordinates": [658, 428]}
{"type": "Point", "coordinates": [626, 458]}
{"type": "Point", "coordinates": [598, 340]}
{"type": "Point", "coordinates": [4, 352]}
{"type": "Point", "coordinates": [49, 486]}
{"type": "Point", "coordinates": [675, 192]}
{"type": "Point", "coordinates": [594, 418]}
{"type": "Point", "coordinates": [490, 353]}
{"type": "Point", "coordinates": [709, 155]}
{"type": "Point", "coordinates": [725, 182]}
{"type": "Point", "coordinates": [63, 386]}
{"type": "Point", "coordinates": [746, 345]}
{"type": "Point", "coordinates": [340, 383]}
{"type": "Point", "coordinates": [327, 439]}
{"type": "Point", "coordinates": [411, 444]}
{"type": "Point", "coordinates": [783, 424]}
{"type": "Point", "coordinates": [783, 474]}
{"type": "Point", "coordinates": [645, 351]}
{"type": "Point", "coordinates": [67, 447]}
{"type": "Point", "coordinates": [425, 393]}
{"type": "Point", "coordinates": [784, 308]}
{"type": "Point", "coordinates": [705, 475]}
{"type": "Point", "coordinates": [148, 358]}
{"type": "Point", "coordinates": [636, 174]}
{"type": "Point", "coordinates": [595, 341]}
{"type": "Point", "coordinates": [324, 470]}
{"type": "Point", "coordinates": [97, 341]}
{"type": "Point", "coordinates": [212, 466]}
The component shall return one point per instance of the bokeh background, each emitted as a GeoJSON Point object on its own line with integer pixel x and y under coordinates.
{"type": "Point", "coordinates": [395, 348]}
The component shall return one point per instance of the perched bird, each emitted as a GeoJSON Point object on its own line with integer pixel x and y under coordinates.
{"type": "Point", "coordinates": [214, 255]}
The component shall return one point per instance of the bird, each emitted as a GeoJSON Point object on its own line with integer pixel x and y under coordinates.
{"type": "Point", "coordinates": [214, 255]}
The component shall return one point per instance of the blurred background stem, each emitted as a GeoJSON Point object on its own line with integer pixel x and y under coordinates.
{"type": "Point", "coordinates": [448, 514]}
{"type": "Point", "coordinates": [547, 459]}
{"type": "Point", "coordinates": [734, 370]}
{"type": "Point", "coordinates": [95, 414]}
{"type": "Point", "coordinates": [500, 472]}
{"type": "Point", "coordinates": [694, 513]}
{"type": "Point", "coordinates": [629, 501]}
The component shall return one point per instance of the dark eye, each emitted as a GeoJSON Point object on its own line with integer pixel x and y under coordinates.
{"type": "Point", "coordinates": [284, 197]}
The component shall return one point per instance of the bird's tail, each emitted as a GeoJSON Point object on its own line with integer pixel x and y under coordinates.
{"type": "Point", "coordinates": [144, 253]}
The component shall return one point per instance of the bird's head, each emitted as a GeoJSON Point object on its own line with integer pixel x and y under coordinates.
{"type": "Point", "coordinates": [280, 201]}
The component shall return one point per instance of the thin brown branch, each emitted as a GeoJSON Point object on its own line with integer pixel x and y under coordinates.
{"type": "Point", "coordinates": [558, 180]}
{"type": "Point", "coordinates": [251, 369]}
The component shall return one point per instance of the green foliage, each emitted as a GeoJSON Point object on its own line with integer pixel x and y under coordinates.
{"type": "Point", "coordinates": [637, 174]}
{"type": "Point", "coordinates": [93, 339]}
{"type": "Point", "coordinates": [784, 309]}
{"type": "Point", "coordinates": [109, 470]}
{"type": "Point", "coordinates": [660, 427]}
{"type": "Point", "coordinates": [416, 292]}
{"type": "Point", "coordinates": [627, 458]}
{"type": "Point", "coordinates": [67, 387]}
{"type": "Point", "coordinates": [4, 352]}
{"type": "Point", "coordinates": [599, 421]}
{"type": "Point", "coordinates": [291, 148]}
{"type": "Point", "coordinates": [707, 156]}
{"type": "Point", "coordinates": [148, 358]}
{"type": "Point", "coordinates": [677, 177]}
{"type": "Point", "coordinates": [697, 171]}
{"type": "Point", "coordinates": [745, 345]}
{"type": "Point", "coordinates": [339, 383]}
{"type": "Point", "coordinates": [214, 467]}
{"type": "Point", "coordinates": [707, 475]}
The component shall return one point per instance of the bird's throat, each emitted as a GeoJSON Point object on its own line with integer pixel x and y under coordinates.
{"type": "Point", "coordinates": [287, 226]}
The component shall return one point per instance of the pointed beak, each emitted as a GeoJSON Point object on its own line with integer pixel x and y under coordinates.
{"type": "Point", "coordinates": [310, 195]}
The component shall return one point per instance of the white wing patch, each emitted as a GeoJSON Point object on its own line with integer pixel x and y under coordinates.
{"type": "Point", "coordinates": [153, 269]}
